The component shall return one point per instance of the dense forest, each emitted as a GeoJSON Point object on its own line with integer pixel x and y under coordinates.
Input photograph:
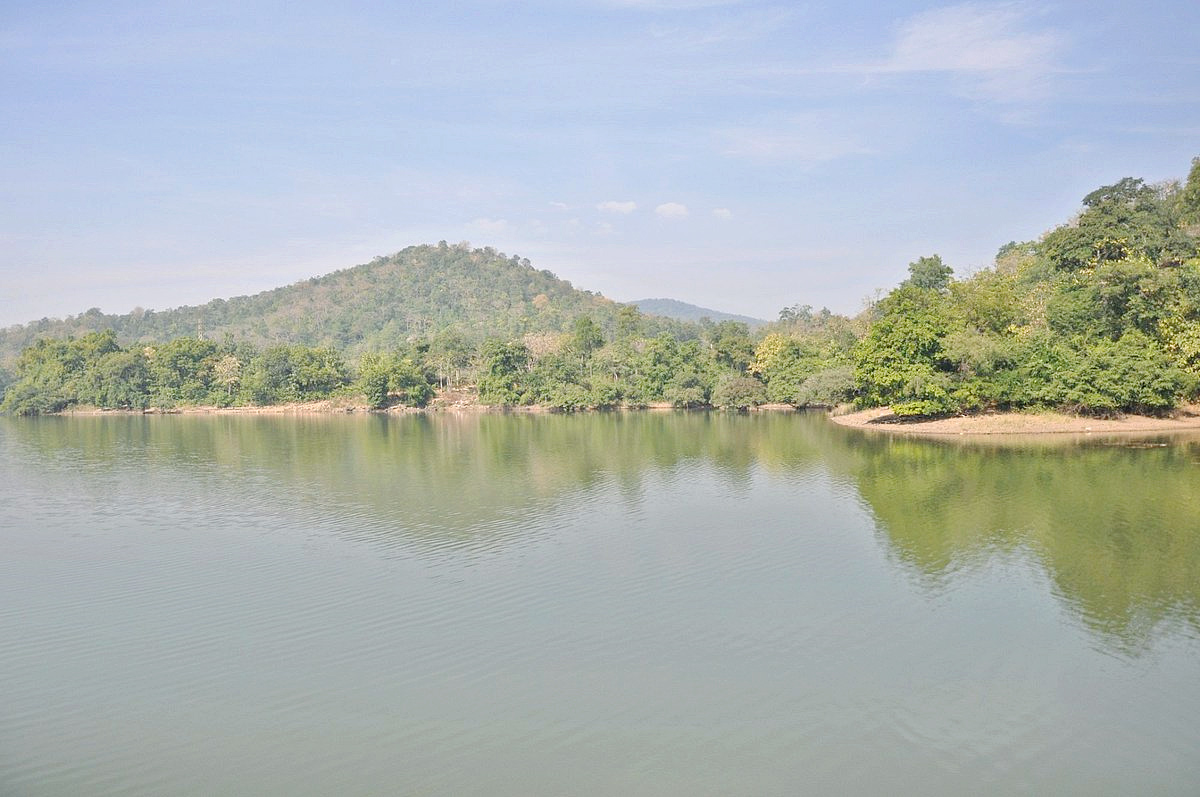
{"type": "Point", "coordinates": [1099, 316]}
{"type": "Point", "coordinates": [1102, 315]}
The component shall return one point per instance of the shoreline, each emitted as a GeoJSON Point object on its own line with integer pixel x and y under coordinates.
{"type": "Point", "coordinates": [881, 419]}
{"type": "Point", "coordinates": [878, 419]}
{"type": "Point", "coordinates": [351, 407]}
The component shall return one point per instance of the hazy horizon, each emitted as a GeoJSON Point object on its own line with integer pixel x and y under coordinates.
{"type": "Point", "coordinates": [741, 156]}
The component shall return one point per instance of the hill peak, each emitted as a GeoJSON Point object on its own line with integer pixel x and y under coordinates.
{"type": "Point", "coordinates": [419, 291]}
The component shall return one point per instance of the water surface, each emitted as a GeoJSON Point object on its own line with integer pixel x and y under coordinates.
{"type": "Point", "coordinates": [599, 604]}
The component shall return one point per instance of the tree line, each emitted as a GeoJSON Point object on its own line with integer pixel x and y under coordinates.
{"type": "Point", "coordinates": [1100, 316]}
{"type": "Point", "coordinates": [580, 369]}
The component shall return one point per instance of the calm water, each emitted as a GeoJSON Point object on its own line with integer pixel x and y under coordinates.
{"type": "Point", "coordinates": [636, 604]}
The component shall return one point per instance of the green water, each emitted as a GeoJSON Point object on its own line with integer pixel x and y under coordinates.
{"type": "Point", "coordinates": [649, 603]}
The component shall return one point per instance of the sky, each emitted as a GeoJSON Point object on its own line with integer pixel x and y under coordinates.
{"type": "Point", "coordinates": [744, 156]}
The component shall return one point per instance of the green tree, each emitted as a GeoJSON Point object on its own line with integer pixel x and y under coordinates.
{"type": "Point", "coordinates": [827, 387]}
{"type": "Point", "coordinates": [181, 371]}
{"type": "Point", "coordinates": [388, 378]}
{"type": "Point", "coordinates": [990, 301]}
{"type": "Point", "coordinates": [1126, 375]}
{"type": "Point", "coordinates": [1125, 219]}
{"type": "Point", "coordinates": [629, 322]}
{"type": "Point", "coordinates": [450, 354]}
{"type": "Point", "coordinates": [373, 379]}
{"type": "Point", "coordinates": [733, 392]}
{"type": "Point", "coordinates": [1189, 197]}
{"type": "Point", "coordinates": [294, 373]}
{"type": "Point", "coordinates": [586, 335]}
{"type": "Point", "coordinates": [731, 344]}
{"type": "Point", "coordinates": [116, 380]}
{"type": "Point", "coordinates": [901, 362]}
{"type": "Point", "coordinates": [227, 373]}
{"type": "Point", "coordinates": [317, 372]}
{"type": "Point", "coordinates": [929, 273]}
{"type": "Point", "coordinates": [502, 366]}
{"type": "Point", "coordinates": [784, 364]}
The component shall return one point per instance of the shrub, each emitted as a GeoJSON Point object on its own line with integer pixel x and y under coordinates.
{"type": "Point", "coordinates": [738, 393]}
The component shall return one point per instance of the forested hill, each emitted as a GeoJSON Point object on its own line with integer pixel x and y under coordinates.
{"type": "Point", "coordinates": [422, 291]}
{"type": "Point", "coordinates": [682, 311]}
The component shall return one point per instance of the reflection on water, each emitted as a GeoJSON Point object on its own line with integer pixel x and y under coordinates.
{"type": "Point", "coordinates": [650, 603]}
{"type": "Point", "coordinates": [442, 478]}
{"type": "Point", "coordinates": [1115, 524]}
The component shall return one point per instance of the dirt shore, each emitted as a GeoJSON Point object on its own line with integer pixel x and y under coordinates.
{"type": "Point", "coordinates": [1020, 423]}
{"type": "Point", "coordinates": [456, 402]}
{"type": "Point", "coordinates": [296, 408]}
{"type": "Point", "coordinates": [881, 419]}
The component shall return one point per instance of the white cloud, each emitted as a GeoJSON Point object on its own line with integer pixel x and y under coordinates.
{"type": "Point", "coordinates": [624, 208]}
{"type": "Point", "coordinates": [560, 205]}
{"type": "Point", "coordinates": [722, 213]}
{"type": "Point", "coordinates": [989, 44]}
{"type": "Point", "coordinates": [971, 37]}
{"type": "Point", "coordinates": [604, 228]}
{"type": "Point", "coordinates": [671, 210]}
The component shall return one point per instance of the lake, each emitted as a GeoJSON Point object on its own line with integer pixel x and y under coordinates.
{"type": "Point", "coordinates": [634, 604]}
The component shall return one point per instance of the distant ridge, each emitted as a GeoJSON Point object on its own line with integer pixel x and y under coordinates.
{"type": "Point", "coordinates": [420, 292]}
{"type": "Point", "coordinates": [682, 311]}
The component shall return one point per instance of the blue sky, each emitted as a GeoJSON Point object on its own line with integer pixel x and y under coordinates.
{"type": "Point", "coordinates": [740, 155]}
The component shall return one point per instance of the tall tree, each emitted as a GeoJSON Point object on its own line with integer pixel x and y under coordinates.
{"type": "Point", "coordinates": [929, 273]}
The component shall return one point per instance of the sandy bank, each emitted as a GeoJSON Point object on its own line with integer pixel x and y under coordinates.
{"type": "Point", "coordinates": [1021, 423]}
{"type": "Point", "coordinates": [297, 408]}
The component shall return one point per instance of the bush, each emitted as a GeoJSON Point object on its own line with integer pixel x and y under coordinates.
{"type": "Point", "coordinates": [1128, 375]}
{"type": "Point", "coordinates": [503, 366]}
{"type": "Point", "coordinates": [685, 398]}
{"type": "Point", "coordinates": [382, 378]}
{"type": "Point", "coordinates": [568, 398]}
{"type": "Point", "coordinates": [924, 392]}
{"type": "Point", "coordinates": [827, 387]}
{"type": "Point", "coordinates": [606, 395]}
{"type": "Point", "coordinates": [738, 393]}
